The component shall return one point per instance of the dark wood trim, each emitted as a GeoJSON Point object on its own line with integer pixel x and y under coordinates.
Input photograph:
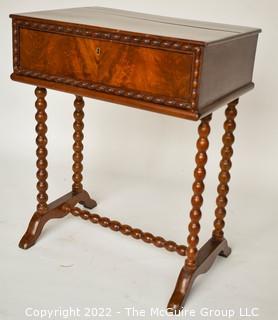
{"type": "Point", "coordinates": [176, 112]}
{"type": "Point", "coordinates": [99, 87]}
{"type": "Point", "coordinates": [124, 36]}
{"type": "Point", "coordinates": [226, 99]}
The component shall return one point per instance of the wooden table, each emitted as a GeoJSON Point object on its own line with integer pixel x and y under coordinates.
{"type": "Point", "coordinates": [176, 67]}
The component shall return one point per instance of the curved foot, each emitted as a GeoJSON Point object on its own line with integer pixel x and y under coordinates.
{"type": "Point", "coordinates": [225, 252]}
{"type": "Point", "coordinates": [87, 201]}
{"type": "Point", "coordinates": [205, 259]}
{"type": "Point", "coordinates": [181, 292]}
{"type": "Point", "coordinates": [26, 241]}
{"type": "Point", "coordinates": [32, 233]}
{"type": "Point", "coordinates": [36, 225]}
{"type": "Point", "coordinates": [54, 212]}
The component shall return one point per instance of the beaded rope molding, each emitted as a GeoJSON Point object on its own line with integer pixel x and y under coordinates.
{"type": "Point", "coordinates": [146, 41]}
{"type": "Point", "coordinates": [125, 229]}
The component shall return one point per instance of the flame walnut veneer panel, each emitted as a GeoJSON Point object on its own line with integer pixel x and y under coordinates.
{"type": "Point", "coordinates": [154, 71]}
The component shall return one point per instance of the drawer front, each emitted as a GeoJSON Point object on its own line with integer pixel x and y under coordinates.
{"type": "Point", "coordinates": [141, 69]}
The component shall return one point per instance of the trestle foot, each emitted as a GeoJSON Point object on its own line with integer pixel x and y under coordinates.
{"type": "Point", "coordinates": [54, 211]}
{"type": "Point", "coordinates": [205, 258]}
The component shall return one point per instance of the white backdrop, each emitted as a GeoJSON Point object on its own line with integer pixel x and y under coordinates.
{"type": "Point", "coordinates": [138, 166]}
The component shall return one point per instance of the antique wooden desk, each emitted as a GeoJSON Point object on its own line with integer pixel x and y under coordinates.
{"type": "Point", "coordinates": [176, 67]}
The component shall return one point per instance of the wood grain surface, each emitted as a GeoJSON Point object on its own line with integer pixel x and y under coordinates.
{"type": "Point", "coordinates": [136, 68]}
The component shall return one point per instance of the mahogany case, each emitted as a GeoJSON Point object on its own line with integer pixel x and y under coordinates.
{"type": "Point", "coordinates": [173, 66]}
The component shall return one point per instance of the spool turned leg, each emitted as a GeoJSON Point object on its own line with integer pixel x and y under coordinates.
{"type": "Point", "coordinates": [199, 262]}
{"type": "Point", "coordinates": [44, 211]}
{"type": "Point", "coordinates": [187, 273]}
{"type": "Point", "coordinates": [224, 175]}
{"type": "Point", "coordinates": [198, 189]}
{"type": "Point", "coordinates": [41, 128]}
{"type": "Point", "coordinates": [77, 166]}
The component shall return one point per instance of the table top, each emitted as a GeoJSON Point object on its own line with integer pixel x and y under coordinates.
{"type": "Point", "coordinates": [205, 32]}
